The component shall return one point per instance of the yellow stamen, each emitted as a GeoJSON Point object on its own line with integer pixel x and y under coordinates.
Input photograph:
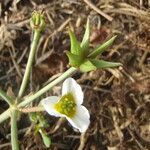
{"type": "Point", "coordinates": [67, 105]}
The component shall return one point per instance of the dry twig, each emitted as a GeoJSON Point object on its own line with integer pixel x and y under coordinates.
{"type": "Point", "coordinates": [109, 18]}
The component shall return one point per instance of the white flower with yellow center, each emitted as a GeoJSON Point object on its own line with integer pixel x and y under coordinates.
{"type": "Point", "coordinates": [69, 105]}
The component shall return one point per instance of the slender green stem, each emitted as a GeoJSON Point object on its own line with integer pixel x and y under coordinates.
{"type": "Point", "coordinates": [8, 99]}
{"type": "Point", "coordinates": [31, 98]}
{"type": "Point", "coordinates": [14, 130]}
{"type": "Point", "coordinates": [5, 115]}
{"type": "Point", "coordinates": [29, 63]}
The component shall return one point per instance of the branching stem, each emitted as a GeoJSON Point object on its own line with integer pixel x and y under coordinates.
{"type": "Point", "coordinates": [5, 115]}
{"type": "Point", "coordinates": [4, 96]}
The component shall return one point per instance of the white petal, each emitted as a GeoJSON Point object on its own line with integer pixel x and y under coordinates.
{"type": "Point", "coordinates": [49, 104]}
{"type": "Point", "coordinates": [81, 120]}
{"type": "Point", "coordinates": [71, 86]}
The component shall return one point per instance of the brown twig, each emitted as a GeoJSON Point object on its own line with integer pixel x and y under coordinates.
{"type": "Point", "coordinates": [109, 18]}
{"type": "Point", "coordinates": [144, 57]}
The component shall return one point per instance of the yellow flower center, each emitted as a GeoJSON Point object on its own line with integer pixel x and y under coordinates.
{"type": "Point", "coordinates": [66, 105]}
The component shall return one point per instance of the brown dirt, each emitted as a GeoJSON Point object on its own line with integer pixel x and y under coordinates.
{"type": "Point", "coordinates": [118, 99]}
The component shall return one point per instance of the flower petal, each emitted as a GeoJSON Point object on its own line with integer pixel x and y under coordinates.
{"type": "Point", "coordinates": [71, 86]}
{"type": "Point", "coordinates": [49, 105]}
{"type": "Point", "coordinates": [81, 120]}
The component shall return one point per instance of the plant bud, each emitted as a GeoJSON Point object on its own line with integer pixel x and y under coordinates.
{"type": "Point", "coordinates": [37, 21]}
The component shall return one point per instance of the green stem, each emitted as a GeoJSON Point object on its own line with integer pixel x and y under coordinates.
{"type": "Point", "coordinates": [5, 115]}
{"type": "Point", "coordinates": [14, 130]}
{"type": "Point", "coordinates": [29, 63]}
{"type": "Point", "coordinates": [8, 99]}
{"type": "Point", "coordinates": [31, 98]}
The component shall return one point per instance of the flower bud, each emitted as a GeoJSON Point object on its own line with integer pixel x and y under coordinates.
{"type": "Point", "coordinates": [37, 21]}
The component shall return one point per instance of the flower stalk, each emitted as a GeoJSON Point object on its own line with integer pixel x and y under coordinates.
{"type": "Point", "coordinates": [29, 63]}
{"type": "Point", "coordinates": [5, 115]}
{"type": "Point", "coordinates": [4, 96]}
{"type": "Point", "coordinates": [31, 98]}
{"type": "Point", "coordinates": [37, 23]}
{"type": "Point", "coordinates": [14, 130]}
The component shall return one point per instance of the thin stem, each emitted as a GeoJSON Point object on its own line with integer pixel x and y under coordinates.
{"type": "Point", "coordinates": [14, 130]}
{"type": "Point", "coordinates": [31, 98]}
{"type": "Point", "coordinates": [5, 115]}
{"type": "Point", "coordinates": [8, 99]}
{"type": "Point", "coordinates": [29, 63]}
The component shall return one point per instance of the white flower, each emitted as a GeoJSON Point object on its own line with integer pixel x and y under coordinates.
{"type": "Point", "coordinates": [69, 105]}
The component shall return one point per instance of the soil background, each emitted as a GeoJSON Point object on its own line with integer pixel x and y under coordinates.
{"type": "Point", "coordinates": [118, 99]}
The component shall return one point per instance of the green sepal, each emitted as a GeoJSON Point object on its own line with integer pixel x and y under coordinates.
{"type": "Point", "coordinates": [100, 49]}
{"type": "Point", "coordinates": [74, 60]}
{"type": "Point", "coordinates": [104, 64]}
{"type": "Point", "coordinates": [75, 44]}
{"type": "Point", "coordinates": [46, 139]}
{"type": "Point", "coordinates": [87, 66]}
{"type": "Point", "coordinates": [37, 21]}
{"type": "Point", "coordinates": [33, 117]}
{"type": "Point", "coordinates": [86, 40]}
{"type": "Point", "coordinates": [42, 121]}
{"type": "Point", "coordinates": [37, 128]}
